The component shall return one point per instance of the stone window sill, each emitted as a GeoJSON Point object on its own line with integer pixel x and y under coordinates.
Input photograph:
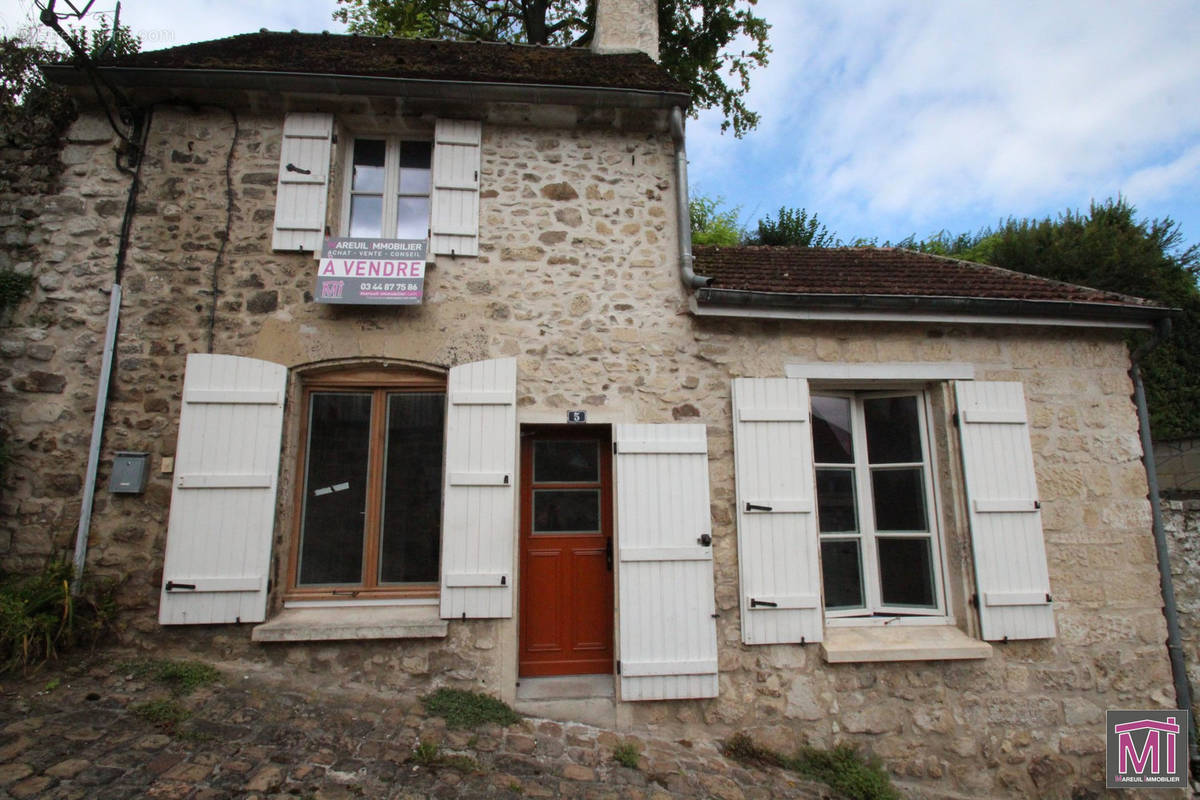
{"type": "Point", "coordinates": [342, 623]}
{"type": "Point", "coordinates": [907, 643]}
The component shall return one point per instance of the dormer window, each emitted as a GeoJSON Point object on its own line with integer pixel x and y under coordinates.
{"type": "Point", "coordinates": [389, 188]}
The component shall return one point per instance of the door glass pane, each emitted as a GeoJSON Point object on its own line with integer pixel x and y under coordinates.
{"type": "Point", "coordinates": [412, 217]}
{"type": "Point", "coordinates": [410, 541]}
{"type": "Point", "coordinates": [832, 443]}
{"type": "Point", "coordinates": [557, 461]}
{"type": "Point", "coordinates": [899, 497]}
{"type": "Point", "coordinates": [836, 510]}
{"type": "Point", "coordinates": [906, 572]}
{"type": "Point", "coordinates": [841, 573]}
{"type": "Point", "coordinates": [366, 216]}
{"type": "Point", "coordinates": [566, 511]}
{"type": "Point", "coordinates": [335, 488]}
{"type": "Point", "coordinates": [369, 155]}
{"type": "Point", "coordinates": [415, 160]}
{"type": "Point", "coordinates": [893, 432]}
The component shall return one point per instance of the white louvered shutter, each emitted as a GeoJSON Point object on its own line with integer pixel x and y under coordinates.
{"type": "Point", "coordinates": [777, 525]}
{"type": "Point", "coordinates": [223, 503]}
{"type": "Point", "coordinates": [454, 223]}
{"type": "Point", "coordinates": [668, 634]}
{"type": "Point", "coordinates": [303, 187]}
{"type": "Point", "coordinates": [478, 517]}
{"type": "Point", "coordinates": [1011, 577]}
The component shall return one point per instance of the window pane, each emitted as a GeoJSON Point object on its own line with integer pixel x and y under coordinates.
{"type": "Point", "coordinates": [899, 497]}
{"type": "Point", "coordinates": [415, 160]}
{"type": "Point", "coordinates": [906, 572]}
{"type": "Point", "coordinates": [566, 511]}
{"type": "Point", "coordinates": [566, 462]}
{"type": "Point", "coordinates": [836, 509]}
{"type": "Point", "coordinates": [410, 541]}
{"type": "Point", "coordinates": [841, 574]}
{"type": "Point", "coordinates": [831, 430]}
{"type": "Point", "coordinates": [369, 157]}
{"type": "Point", "coordinates": [366, 216]}
{"type": "Point", "coordinates": [412, 218]}
{"type": "Point", "coordinates": [335, 488]}
{"type": "Point", "coordinates": [893, 432]}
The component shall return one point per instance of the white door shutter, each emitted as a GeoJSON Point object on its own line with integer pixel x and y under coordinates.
{"type": "Point", "coordinates": [478, 508]}
{"type": "Point", "coordinates": [777, 526]}
{"type": "Point", "coordinates": [668, 635]}
{"type": "Point", "coordinates": [454, 223]}
{"type": "Point", "coordinates": [1011, 577]}
{"type": "Point", "coordinates": [223, 503]}
{"type": "Point", "coordinates": [303, 187]}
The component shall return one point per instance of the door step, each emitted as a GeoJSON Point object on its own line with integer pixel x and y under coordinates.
{"type": "Point", "coordinates": [589, 699]}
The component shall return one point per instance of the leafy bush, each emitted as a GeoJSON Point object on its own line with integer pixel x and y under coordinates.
{"type": "Point", "coordinates": [627, 754]}
{"type": "Point", "coordinates": [39, 618]}
{"type": "Point", "coordinates": [463, 709]}
{"type": "Point", "coordinates": [842, 768]}
{"type": "Point", "coordinates": [711, 224]}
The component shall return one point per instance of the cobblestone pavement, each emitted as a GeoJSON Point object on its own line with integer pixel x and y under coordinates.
{"type": "Point", "coordinates": [84, 731]}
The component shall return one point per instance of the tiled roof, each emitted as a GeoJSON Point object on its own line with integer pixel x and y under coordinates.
{"type": "Point", "coordinates": [884, 272]}
{"type": "Point", "coordinates": [422, 59]}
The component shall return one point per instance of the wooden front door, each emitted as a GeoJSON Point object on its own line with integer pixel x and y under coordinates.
{"type": "Point", "coordinates": [566, 551]}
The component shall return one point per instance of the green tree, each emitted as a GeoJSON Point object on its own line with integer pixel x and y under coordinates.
{"type": "Point", "coordinates": [712, 224]}
{"type": "Point", "coordinates": [1109, 248]}
{"type": "Point", "coordinates": [695, 37]}
{"type": "Point", "coordinates": [794, 228]}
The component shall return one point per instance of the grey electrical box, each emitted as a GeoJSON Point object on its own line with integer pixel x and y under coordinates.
{"type": "Point", "coordinates": [129, 473]}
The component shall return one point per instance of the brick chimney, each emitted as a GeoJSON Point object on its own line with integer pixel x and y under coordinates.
{"type": "Point", "coordinates": [626, 26]}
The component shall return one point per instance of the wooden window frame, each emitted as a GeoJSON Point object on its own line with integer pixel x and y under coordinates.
{"type": "Point", "coordinates": [379, 382]}
{"type": "Point", "coordinates": [391, 179]}
{"type": "Point", "coordinates": [873, 609]}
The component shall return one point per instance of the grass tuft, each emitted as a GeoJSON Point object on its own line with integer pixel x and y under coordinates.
{"type": "Point", "coordinates": [463, 709]}
{"type": "Point", "coordinates": [181, 677]}
{"type": "Point", "coordinates": [167, 713]}
{"type": "Point", "coordinates": [842, 768]}
{"type": "Point", "coordinates": [627, 754]}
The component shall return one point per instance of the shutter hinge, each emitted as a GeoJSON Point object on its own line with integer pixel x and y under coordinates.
{"type": "Point", "coordinates": [803, 641]}
{"type": "Point", "coordinates": [293, 168]}
{"type": "Point", "coordinates": [618, 666]}
{"type": "Point", "coordinates": [753, 507]}
{"type": "Point", "coordinates": [954, 419]}
{"type": "Point", "coordinates": [506, 480]}
{"type": "Point", "coordinates": [754, 603]}
{"type": "Point", "coordinates": [974, 601]}
{"type": "Point", "coordinates": [614, 448]}
{"type": "Point", "coordinates": [504, 580]}
{"type": "Point", "coordinates": [333, 139]}
{"type": "Point", "coordinates": [172, 586]}
{"type": "Point", "coordinates": [1049, 599]}
{"type": "Point", "coordinates": [1037, 503]}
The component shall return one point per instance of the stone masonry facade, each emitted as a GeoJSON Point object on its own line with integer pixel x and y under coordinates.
{"type": "Point", "coordinates": [578, 279]}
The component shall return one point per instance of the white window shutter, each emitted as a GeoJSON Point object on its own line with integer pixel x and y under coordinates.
{"type": "Point", "coordinates": [1012, 580]}
{"type": "Point", "coordinates": [777, 525]}
{"type": "Point", "coordinates": [454, 223]}
{"type": "Point", "coordinates": [303, 187]}
{"type": "Point", "coordinates": [478, 506]}
{"type": "Point", "coordinates": [223, 504]}
{"type": "Point", "coordinates": [668, 635]}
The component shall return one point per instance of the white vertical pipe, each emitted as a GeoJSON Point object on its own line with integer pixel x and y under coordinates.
{"type": "Point", "coordinates": [89, 482]}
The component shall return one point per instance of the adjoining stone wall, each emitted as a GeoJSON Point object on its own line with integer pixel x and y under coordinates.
{"type": "Point", "coordinates": [1181, 519]}
{"type": "Point", "coordinates": [577, 278]}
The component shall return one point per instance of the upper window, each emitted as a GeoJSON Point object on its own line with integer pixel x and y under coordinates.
{"type": "Point", "coordinates": [389, 188]}
{"type": "Point", "coordinates": [880, 554]}
{"type": "Point", "coordinates": [371, 499]}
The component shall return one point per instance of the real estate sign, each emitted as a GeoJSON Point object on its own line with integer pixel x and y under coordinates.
{"type": "Point", "coordinates": [372, 271]}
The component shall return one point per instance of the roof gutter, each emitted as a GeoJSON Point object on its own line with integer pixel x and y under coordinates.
{"type": "Point", "coordinates": [683, 214]}
{"type": "Point", "coordinates": [277, 82]}
{"type": "Point", "coordinates": [1175, 651]}
{"type": "Point", "coordinates": [736, 302]}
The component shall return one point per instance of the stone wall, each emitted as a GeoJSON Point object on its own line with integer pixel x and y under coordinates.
{"type": "Point", "coordinates": [1181, 518]}
{"type": "Point", "coordinates": [577, 279]}
{"type": "Point", "coordinates": [1178, 465]}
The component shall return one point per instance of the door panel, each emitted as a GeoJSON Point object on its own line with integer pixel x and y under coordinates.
{"type": "Point", "coordinates": [566, 562]}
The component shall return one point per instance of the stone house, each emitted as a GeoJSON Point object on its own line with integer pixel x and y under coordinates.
{"type": "Point", "coordinates": [859, 495]}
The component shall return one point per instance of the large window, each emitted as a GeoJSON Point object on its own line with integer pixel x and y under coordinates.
{"type": "Point", "coordinates": [371, 494]}
{"type": "Point", "coordinates": [880, 553]}
{"type": "Point", "coordinates": [387, 194]}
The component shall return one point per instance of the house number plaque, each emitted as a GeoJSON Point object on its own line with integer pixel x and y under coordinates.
{"type": "Point", "coordinates": [576, 416]}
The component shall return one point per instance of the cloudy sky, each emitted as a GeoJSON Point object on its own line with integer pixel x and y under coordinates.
{"type": "Point", "coordinates": [895, 117]}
